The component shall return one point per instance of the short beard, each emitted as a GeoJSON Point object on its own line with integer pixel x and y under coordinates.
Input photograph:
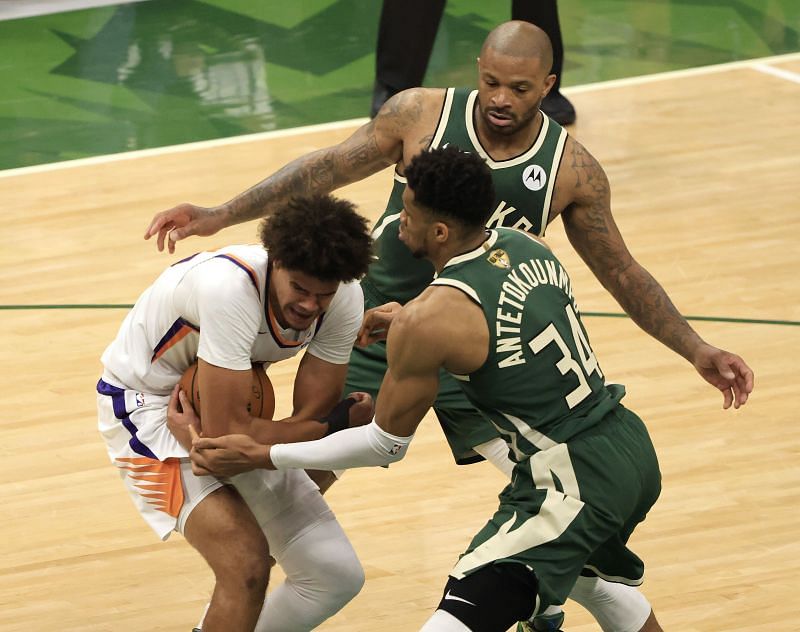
{"type": "Point", "coordinates": [512, 129]}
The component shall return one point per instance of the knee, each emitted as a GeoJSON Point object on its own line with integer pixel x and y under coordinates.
{"type": "Point", "coordinates": [355, 580]}
{"type": "Point", "coordinates": [255, 576]}
{"type": "Point", "coordinates": [247, 573]}
{"type": "Point", "coordinates": [343, 577]}
{"type": "Point", "coordinates": [347, 578]}
{"type": "Point", "coordinates": [615, 606]}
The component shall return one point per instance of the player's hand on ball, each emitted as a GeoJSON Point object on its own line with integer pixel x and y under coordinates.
{"type": "Point", "coordinates": [180, 416]}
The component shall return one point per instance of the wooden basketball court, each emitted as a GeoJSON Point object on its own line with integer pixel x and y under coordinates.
{"type": "Point", "coordinates": [704, 168]}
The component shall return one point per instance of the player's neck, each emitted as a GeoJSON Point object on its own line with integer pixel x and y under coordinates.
{"type": "Point", "coordinates": [458, 247]}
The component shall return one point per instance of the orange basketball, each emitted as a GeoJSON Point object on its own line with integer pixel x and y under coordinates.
{"type": "Point", "coordinates": [262, 395]}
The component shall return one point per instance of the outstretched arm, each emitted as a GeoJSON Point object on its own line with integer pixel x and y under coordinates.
{"type": "Point", "coordinates": [422, 340]}
{"type": "Point", "coordinates": [322, 171]}
{"type": "Point", "coordinates": [374, 146]}
{"type": "Point", "coordinates": [593, 233]}
{"type": "Point", "coordinates": [408, 390]}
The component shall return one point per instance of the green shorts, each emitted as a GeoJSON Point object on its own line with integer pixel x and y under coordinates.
{"type": "Point", "coordinates": [570, 509]}
{"type": "Point", "coordinates": [463, 426]}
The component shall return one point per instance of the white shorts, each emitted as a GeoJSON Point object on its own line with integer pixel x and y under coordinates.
{"type": "Point", "coordinates": [156, 470]}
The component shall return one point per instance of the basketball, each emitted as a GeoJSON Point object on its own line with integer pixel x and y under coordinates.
{"type": "Point", "coordinates": [262, 395]}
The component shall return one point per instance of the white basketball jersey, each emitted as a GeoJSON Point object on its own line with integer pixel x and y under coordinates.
{"type": "Point", "coordinates": [214, 306]}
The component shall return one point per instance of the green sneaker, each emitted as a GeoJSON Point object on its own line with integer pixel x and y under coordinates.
{"type": "Point", "coordinates": [542, 623]}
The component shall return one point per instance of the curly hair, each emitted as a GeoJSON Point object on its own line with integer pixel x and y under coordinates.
{"type": "Point", "coordinates": [319, 235]}
{"type": "Point", "coordinates": [452, 184]}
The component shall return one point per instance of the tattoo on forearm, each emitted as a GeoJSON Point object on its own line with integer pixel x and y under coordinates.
{"type": "Point", "coordinates": [646, 302]}
{"type": "Point", "coordinates": [598, 240]}
{"type": "Point", "coordinates": [314, 173]}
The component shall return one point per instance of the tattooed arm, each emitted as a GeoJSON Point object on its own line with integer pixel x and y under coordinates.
{"type": "Point", "coordinates": [593, 233]}
{"type": "Point", "coordinates": [374, 146]}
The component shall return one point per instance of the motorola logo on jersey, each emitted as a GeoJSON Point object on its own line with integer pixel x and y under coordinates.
{"type": "Point", "coordinates": [534, 177]}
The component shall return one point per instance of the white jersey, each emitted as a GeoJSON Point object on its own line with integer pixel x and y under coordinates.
{"type": "Point", "coordinates": [214, 306]}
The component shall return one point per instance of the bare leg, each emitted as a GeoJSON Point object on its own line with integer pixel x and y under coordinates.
{"type": "Point", "coordinates": [226, 534]}
{"type": "Point", "coordinates": [651, 625]}
{"type": "Point", "coordinates": [323, 479]}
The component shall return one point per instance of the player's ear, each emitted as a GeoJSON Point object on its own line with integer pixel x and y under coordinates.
{"type": "Point", "coordinates": [549, 81]}
{"type": "Point", "coordinates": [441, 232]}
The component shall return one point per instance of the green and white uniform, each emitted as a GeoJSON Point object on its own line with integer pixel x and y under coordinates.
{"type": "Point", "coordinates": [524, 188]}
{"type": "Point", "coordinates": [586, 470]}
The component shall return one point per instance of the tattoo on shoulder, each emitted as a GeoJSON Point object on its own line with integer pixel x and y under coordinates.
{"type": "Point", "coordinates": [407, 106]}
{"type": "Point", "coordinates": [591, 187]}
{"type": "Point", "coordinates": [402, 112]}
{"type": "Point", "coordinates": [588, 172]}
{"type": "Point", "coordinates": [425, 141]}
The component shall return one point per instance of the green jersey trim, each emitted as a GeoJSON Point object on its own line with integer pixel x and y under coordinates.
{"type": "Point", "coordinates": [551, 185]}
{"type": "Point", "coordinates": [378, 230]}
{"type": "Point", "coordinates": [472, 254]}
{"type": "Point", "coordinates": [459, 285]}
{"type": "Point", "coordinates": [528, 154]}
{"type": "Point", "coordinates": [444, 117]}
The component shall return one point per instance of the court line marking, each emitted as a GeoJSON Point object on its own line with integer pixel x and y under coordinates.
{"type": "Point", "coordinates": [10, 10]}
{"type": "Point", "coordinates": [683, 73]}
{"type": "Point", "coordinates": [713, 319]}
{"type": "Point", "coordinates": [751, 64]}
{"type": "Point", "coordinates": [777, 72]}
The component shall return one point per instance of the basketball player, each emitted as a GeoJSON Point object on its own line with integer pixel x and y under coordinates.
{"type": "Point", "coordinates": [585, 471]}
{"type": "Point", "coordinates": [227, 309]}
{"type": "Point", "coordinates": [406, 34]}
{"type": "Point", "coordinates": [539, 173]}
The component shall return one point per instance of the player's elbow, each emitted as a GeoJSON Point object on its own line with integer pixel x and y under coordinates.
{"type": "Point", "coordinates": [387, 447]}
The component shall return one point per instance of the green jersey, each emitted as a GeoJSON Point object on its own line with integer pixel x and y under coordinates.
{"type": "Point", "coordinates": [586, 470]}
{"type": "Point", "coordinates": [523, 185]}
{"type": "Point", "coordinates": [541, 383]}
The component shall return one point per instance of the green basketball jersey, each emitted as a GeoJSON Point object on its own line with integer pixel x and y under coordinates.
{"type": "Point", "coordinates": [541, 383]}
{"type": "Point", "coordinates": [523, 188]}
